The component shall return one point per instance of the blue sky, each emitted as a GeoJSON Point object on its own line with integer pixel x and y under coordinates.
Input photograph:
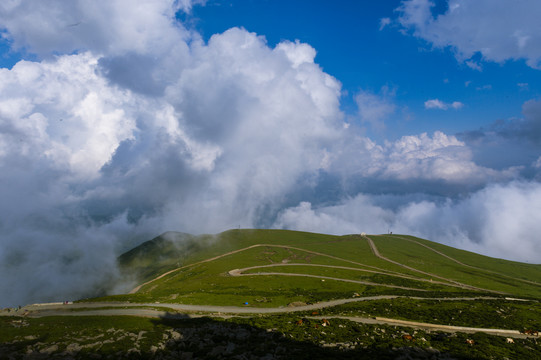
{"type": "Point", "coordinates": [121, 120]}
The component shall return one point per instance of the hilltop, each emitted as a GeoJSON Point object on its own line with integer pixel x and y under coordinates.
{"type": "Point", "coordinates": [372, 265]}
{"type": "Point", "coordinates": [307, 295]}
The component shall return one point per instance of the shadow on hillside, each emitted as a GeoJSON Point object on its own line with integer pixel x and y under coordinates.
{"type": "Point", "coordinates": [205, 338]}
{"type": "Point", "coordinates": [179, 336]}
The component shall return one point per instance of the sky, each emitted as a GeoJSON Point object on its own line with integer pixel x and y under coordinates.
{"type": "Point", "coordinates": [120, 121]}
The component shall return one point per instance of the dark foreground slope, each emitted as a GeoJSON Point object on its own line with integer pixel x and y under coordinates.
{"type": "Point", "coordinates": [270, 337]}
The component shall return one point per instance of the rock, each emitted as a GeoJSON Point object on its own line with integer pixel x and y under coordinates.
{"type": "Point", "coordinates": [49, 350]}
{"type": "Point", "coordinates": [73, 348]}
{"type": "Point", "coordinates": [134, 350]}
{"type": "Point", "coordinates": [176, 336]}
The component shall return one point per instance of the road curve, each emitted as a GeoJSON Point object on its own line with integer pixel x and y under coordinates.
{"type": "Point", "coordinates": [387, 272]}
{"type": "Point", "coordinates": [239, 272]}
{"type": "Point", "coordinates": [367, 268]}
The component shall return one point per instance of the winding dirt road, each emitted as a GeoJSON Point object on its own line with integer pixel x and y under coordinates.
{"type": "Point", "coordinates": [364, 267]}
{"type": "Point", "coordinates": [240, 272]}
{"type": "Point", "coordinates": [181, 311]}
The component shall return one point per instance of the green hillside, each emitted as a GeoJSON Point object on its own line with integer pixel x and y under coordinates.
{"type": "Point", "coordinates": [280, 267]}
{"type": "Point", "coordinates": [276, 294]}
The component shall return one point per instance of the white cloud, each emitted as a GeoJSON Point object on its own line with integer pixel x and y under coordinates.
{"type": "Point", "coordinates": [65, 112]}
{"type": "Point", "coordinates": [352, 216]}
{"type": "Point", "coordinates": [438, 104]}
{"type": "Point", "coordinates": [435, 104]}
{"type": "Point", "coordinates": [101, 26]}
{"type": "Point", "coordinates": [474, 65]}
{"type": "Point", "coordinates": [419, 161]}
{"type": "Point", "coordinates": [441, 157]}
{"type": "Point", "coordinates": [496, 29]}
{"type": "Point", "coordinates": [228, 128]}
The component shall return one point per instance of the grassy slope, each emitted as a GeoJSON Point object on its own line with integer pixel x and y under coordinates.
{"type": "Point", "coordinates": [488, 273]}
{"type": "Point", "coordinates": [516, 269]}
{"type": "Point", "coordinates": [208, 283]}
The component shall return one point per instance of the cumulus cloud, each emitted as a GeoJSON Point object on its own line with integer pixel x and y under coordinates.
{"type": "Point", "coordinates": [112, 27]}
{"type": "Point", "coordinates": [438, 104]}
{"type": "Point", "coordinates": [439, 164]}
{"type": "Point", "coordinates": [200, 139]}
{"type": "Point", "coordinates": [496, 29]}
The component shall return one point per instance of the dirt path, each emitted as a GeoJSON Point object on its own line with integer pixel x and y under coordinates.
{"type": "Point", "coordinates": [239, 272]}
{"type": "Point", "coordinates": [459, 284]}
{"type": "Point", "coordinates": [180, 311]}
{"type": "Point", "coordinates": [48, 309]}
{"type": "Point", "coordinates": [466, 265]}
{"type": "Point", "coordinates": [80, 308]}
{"type": "Point", "coordinates": [427, 326]}
{"type": "Point", "coordinates": [325, 278]}
{"type": "Point", "coordinates": [151, 313]}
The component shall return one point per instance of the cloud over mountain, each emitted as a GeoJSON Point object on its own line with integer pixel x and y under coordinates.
{"type": "Point", "coordinates": [122, 123]}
